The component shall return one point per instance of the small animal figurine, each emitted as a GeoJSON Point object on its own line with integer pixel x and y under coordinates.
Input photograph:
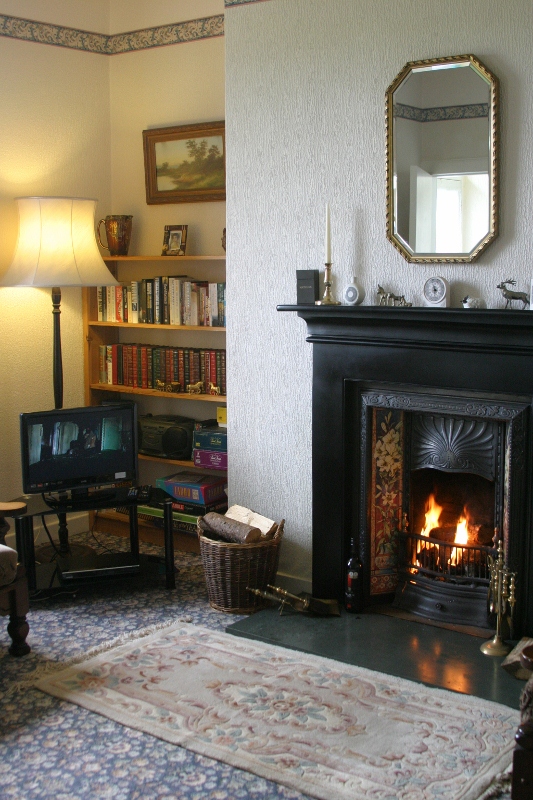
{"type": "Point", "coordinates": [511, 295]}
{"type": "Point", "coordinates": [195, 388]}
{"type": "Point", "coordinates": [213, 389]}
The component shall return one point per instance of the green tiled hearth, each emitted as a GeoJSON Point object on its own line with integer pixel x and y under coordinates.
{"type": "Point", "coordinates": [408, 649]}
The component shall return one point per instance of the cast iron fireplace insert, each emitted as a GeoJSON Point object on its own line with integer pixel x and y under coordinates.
{"type": "Point", "coordinates": [470, 364]}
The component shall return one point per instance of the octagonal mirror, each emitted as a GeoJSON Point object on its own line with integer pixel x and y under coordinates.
{"type": "Point", "coordinates": [442, 160]}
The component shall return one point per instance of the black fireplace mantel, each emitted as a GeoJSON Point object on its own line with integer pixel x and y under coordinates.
{"type": "Point", "coordinates": [479, 354]}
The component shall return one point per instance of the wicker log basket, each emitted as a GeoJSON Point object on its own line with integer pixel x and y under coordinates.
{"type": "Point", "coordinates": [231, 568]}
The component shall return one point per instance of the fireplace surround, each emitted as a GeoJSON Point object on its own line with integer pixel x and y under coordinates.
{"type": "Point", "coordinates": [446, 369]}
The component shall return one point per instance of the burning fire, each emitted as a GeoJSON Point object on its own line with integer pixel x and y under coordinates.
{"type": "Point", "coordinates": [432, 518]}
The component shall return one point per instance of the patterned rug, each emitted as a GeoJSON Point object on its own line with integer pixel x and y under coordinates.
{"type": "Point", "coordinates": [330, 730]}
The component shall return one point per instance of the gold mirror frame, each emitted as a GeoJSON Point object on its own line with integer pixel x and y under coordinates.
{"type": "Point", "coordinates": [395, 239]}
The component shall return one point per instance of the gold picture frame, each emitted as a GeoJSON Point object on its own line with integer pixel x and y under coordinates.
{"type": "Point", "coordinates": [174, 240]}
{"type": "Point", "coordinates": [185, 164]}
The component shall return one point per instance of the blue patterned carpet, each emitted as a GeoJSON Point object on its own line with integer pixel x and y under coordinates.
{"type": "Point", "coordinates": [52, 749]}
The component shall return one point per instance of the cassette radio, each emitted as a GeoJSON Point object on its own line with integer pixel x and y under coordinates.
{"type": "Point", "coordinates": [166, 436]}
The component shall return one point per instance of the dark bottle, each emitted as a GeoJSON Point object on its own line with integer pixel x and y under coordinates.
{"type": "Point", "coordinates": [353, 595]}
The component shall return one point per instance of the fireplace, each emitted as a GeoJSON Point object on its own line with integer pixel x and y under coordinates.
{"type": "Point", "coordinates": [415, 410]}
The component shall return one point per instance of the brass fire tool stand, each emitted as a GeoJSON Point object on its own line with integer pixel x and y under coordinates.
{"type": "Point", "coordinates": [502, 595]}
{"type": "Point", "coordinates": [327, 300]}
{"type": "Point", "coordinates": [303, 603]}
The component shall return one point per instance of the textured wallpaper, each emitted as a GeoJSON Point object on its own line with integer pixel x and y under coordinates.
{"type": "Point", "coordinates": [305, 106]}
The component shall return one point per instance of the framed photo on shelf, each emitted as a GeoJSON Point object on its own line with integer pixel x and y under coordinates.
{"type": "Point", "coordinates": [174, 240]}
{"type": "Point", "coordinates": [185, 164]}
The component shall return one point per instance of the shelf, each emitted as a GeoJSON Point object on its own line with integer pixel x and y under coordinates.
{"type": "Point", "coordinates": [111, 387]}
{"type": "Point", "coordinates": [188, 464]}
{"type": "Point", "coordinates": [158, 327]}
{"type": "Point", "coordinates": [164, 258]}
{"type": "Point", "coordinates": [116, 524]}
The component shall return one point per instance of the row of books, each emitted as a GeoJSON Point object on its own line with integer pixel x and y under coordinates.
{"type": "Point", "coordinates": [146, 366]}
{"type": "Point", "coordinates": [164, 300]}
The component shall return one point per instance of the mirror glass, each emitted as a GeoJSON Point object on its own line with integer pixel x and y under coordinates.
{"type": "Point", "coordinates": [441, 159]}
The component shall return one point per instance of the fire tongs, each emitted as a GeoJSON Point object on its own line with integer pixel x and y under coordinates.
{"type": "Point", "coordinates": [303, 603]}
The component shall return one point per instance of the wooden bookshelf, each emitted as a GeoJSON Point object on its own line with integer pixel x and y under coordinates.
{"type": "Point", "coordinates": [97, 333]}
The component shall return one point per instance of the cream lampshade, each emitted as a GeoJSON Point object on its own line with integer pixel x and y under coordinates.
{"type": "Point", "coordinates": [57, 247]}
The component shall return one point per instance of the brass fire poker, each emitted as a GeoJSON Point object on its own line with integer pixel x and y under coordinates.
{"type": "Point", "coordinates": [327, 300]}
{"type": "Point", "coordinates": [501, 595]}
{"type": "Point", "coordinates": [303, 602]}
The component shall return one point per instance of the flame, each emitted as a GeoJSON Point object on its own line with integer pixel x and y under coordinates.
{"type": "Point", "coordinates": [432, 518]}
{"type": "Point", "coordinates": [432, 515]}
{"type": "Point", "coordinates": [461, 537]}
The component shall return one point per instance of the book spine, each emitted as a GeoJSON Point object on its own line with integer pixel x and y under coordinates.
{"type": "Point", "coordinates": [181, 368]}
{"type": "Point", "coordinates": [168, 364]}
{"type": "Point", "coordinates": [210, 459]}
{"type": "Point", "coordinates": [212, 297]}
{"type": "Point", "coordinates": [102, 365]}
{"type": "Point", "coordinates": [150, 301]}
{"type": "Point", "coordinates": [118, 304]}
{"type": "Point", "coordinates": [109, 363]}
{"type": "Point", "coordinates": [220, 296]}
{"type": "Point", "coordinates": [186, 366]}
{"type": "Point", "coordinates": [134, 317]}
{"type": "Point", "coordinates": [144, 366]}
{"type": "Point", "coordinates": [126, 303]}
{"type": "Point", "coordinates": [218, 369]}
{"type": "Point", "coordinates": [110, 304]}
{"type": "Point", "coordinates": [135, 375]}
{"type": "Point", "coordinates": [223, 372]}
{"type": "Point", "coordinates": [157, 301]}
{"type": "Point", "coordinates": [165, 306]}
{"type": "Point", "coordinates": [149, 366]}
{"type": "Point", "coordinates": [120, 365]}
{"type": "Point", "coordinates": [175, 367]}
{"type": "Point", "coordinates": [155, 366]}
{"type": "Point", "coordinates": [213, 367]}
{"type": "Point", "coordinates": [186, 306]}
{"type": "Point", "coordinates": [100, 303]}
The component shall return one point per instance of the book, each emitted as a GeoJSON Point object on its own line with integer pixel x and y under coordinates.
{"type": "Point", "coordinates": [193, 488]}
{"type": "Point", "coordinates": [220, 506]}
{"type": "Point", "coordinates": [134, 316]}
{"type": "Point", "coordinates": [210, 459]}
{"type": "Point", "coordinates": [100, 303]}
{"type": "Point", "coordinates": [211, 439]}
{"type": "Point", "coordinates": [222, 416]}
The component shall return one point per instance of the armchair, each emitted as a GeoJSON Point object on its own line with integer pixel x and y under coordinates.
{"type": "Point", "coordinates": [14, 597]}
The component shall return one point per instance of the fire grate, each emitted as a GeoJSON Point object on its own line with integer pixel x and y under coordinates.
{"type": "Point", "coordinates": [444, 561]}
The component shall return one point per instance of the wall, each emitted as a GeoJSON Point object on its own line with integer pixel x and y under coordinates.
{"type": "Point", "coordinates": [74, 127]}
{"type": "Point", "coordinates": [54, 140]}
{"type": "Point", "coordinates": [305, 90]}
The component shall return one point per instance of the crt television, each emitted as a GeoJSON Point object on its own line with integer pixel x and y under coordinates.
{"type": "Point", "coordinates": [72, 449]}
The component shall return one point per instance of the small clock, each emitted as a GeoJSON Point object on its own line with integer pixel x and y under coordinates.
{"type": "Point", "coordinates": [437, 292]}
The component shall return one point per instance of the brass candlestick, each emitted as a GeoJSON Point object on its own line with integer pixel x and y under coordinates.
{"type": "Point", "coordinates": [501, 595]}
{"type": "Point", "coordinates": [327, 300]}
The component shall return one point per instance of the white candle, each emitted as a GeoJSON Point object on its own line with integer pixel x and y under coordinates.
{"type": "Point", "coordinates": [328, 237]}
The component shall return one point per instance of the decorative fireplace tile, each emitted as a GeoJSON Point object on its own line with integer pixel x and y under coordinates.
{"type": "Point", "coordinates": [386, 499]}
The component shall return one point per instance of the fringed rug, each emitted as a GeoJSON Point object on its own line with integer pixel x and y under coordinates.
{"type": "Point", "coordinates": [327, 729]}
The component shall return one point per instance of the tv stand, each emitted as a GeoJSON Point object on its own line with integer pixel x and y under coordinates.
{"type": "Point", "coordinates": [37, 506]}
{"type": "Point", "coordinates": [79, 496]}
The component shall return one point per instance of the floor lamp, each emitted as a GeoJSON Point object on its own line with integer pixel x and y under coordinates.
{"type": "Point", "coordinates": [57, 247]}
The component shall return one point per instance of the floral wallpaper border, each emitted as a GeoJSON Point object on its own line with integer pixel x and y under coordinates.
{"type": "Point", "coordinates": [472, 111]}
{"type": "Point", "coordinates": [103, 44]}
{"type": "Point", "coordinates": [229, 3]}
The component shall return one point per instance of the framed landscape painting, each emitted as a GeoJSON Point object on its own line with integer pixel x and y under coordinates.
{"type": "Point", "coordinates": [185, 164]}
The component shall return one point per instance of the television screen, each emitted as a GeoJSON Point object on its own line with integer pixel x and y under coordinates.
{"type": "Point", "coordinates": [71, 449]}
